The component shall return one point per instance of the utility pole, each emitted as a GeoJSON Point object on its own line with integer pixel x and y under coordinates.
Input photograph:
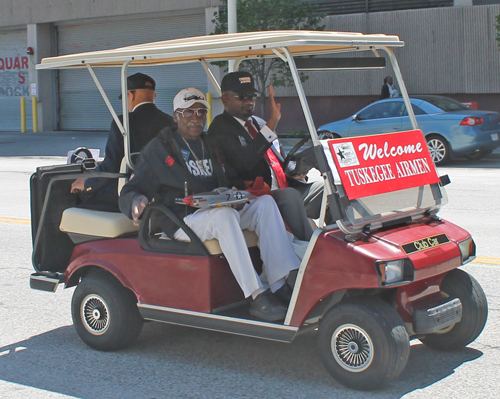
{"type": "Point", "coordinates": [232, 25]}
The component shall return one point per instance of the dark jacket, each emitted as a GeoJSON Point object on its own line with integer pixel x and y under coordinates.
{"type": "Point", "coordinates": [384, 92]}
{"type": "Point", "coordinates": [161, 175]}
{"type": "Point", "coordinates": [145, 122]}
{"type": "Point", "coordinates": [241, 151]}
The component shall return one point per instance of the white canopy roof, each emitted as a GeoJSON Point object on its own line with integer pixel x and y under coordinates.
{"type": "Point", "coordinates": [224, 47]}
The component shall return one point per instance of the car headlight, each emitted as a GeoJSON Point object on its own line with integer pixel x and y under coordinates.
{"type": "Point", "coordinates": [394, 271]}
{"type": "Point", "coordinates": [467, 249]}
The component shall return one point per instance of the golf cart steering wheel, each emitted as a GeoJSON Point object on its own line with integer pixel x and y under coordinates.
{"type": "Point", "coordinates": [80, 154]}
{"type": "Point", "coordinates": [294, 149]}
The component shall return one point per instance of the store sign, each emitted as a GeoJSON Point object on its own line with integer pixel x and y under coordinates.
{"type": "Point", "coordinates": [14, 71]}
{"type": "Point", "coordinates": [378, 164]}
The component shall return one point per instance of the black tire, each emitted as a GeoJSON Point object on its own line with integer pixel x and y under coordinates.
{"type": "Point", "coordinates": [363, 343]}
{"type": "Point", "coordinates": [461, 285]}
{"type": "Point", "coordinates": [478, 155]}
{"type": "Point", "coordinates": [439, 149]}
{"type": "Point", "coordinates": [105, 313]}
{"type": "Point", "coordinates": [325, 135]}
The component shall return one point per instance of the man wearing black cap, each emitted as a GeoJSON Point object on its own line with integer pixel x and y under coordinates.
{"type": "Point", "coordinates": [145, 122]}
{"type": "Point", "coordinates": [248, 147]}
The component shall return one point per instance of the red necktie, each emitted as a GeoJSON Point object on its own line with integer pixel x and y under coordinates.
{"type": "Point", "coordinates": [271, 158]}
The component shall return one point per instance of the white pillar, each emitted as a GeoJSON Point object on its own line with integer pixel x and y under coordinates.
{"type": "Point", "coordinates": [232, 24]}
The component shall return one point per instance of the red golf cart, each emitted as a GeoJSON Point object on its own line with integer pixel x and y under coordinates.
{"type": "Point", "coordinates": [385, 272]}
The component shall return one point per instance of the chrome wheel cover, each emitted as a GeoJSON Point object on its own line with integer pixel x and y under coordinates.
{"type": "Point", "coordinates": [437, 149]}
{"type": "Point", "coordinates": [94, 314]}
{"type": "Point", "coordinates": [352, 348]}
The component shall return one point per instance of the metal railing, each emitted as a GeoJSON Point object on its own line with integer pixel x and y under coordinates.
{"type": "Point", "coordinates": [336, 7]}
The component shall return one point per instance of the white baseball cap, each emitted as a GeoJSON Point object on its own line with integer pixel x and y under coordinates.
{"type": "Point", "coordinates": [187, 97]}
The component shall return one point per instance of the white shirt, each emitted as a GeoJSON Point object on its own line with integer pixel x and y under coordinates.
{"type": "Point", "coordinates": [138, 105]}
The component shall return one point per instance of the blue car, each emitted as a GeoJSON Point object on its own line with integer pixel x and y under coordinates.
{"type": "Point", "coordinates": [452, 130]}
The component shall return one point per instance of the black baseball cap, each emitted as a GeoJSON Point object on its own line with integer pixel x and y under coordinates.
{"type": "Point", "coordinates": [139, 81]}
{"type": "Point", "coordinates": [239, 82]}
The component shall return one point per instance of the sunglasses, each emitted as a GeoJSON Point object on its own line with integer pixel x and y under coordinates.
{"type": "Point", "coordinates": [189, 112]}
{"type": "Point", "coordinates": [244, 96]}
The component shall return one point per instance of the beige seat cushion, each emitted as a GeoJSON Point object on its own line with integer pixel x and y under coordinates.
{"type": "Point", "coordinates": [96, 223]}
{"type": "Point", "coordinates": [214, 247]}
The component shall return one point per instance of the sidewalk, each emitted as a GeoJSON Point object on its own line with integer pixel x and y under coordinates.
{"type": "Point", "coordinates": [16, 144]}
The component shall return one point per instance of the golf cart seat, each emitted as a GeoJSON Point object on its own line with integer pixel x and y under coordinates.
{"type": "Point", "coordinates": [89, 224]}
{"type": "Point", "coordinates": [78, 222]}
{"type": "Point", "coordinates": [214, 248]}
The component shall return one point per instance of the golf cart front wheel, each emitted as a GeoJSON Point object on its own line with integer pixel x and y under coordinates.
{"type": "Point", "coordinates": [461, 285]}
{"type": "Point", "coordinates": [363, 343]}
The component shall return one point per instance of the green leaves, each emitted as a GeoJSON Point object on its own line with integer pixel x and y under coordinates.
{"type": "Point", "coordinates": [262, 15]}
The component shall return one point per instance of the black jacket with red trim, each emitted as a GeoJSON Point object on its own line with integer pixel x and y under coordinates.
{"type": "Point", "coordinates": [161, 175]}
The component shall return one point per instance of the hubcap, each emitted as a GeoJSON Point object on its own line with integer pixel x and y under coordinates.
{"type": "Point", "coordinates": [437, 150]}
{"type": "Point", "coordinates": [352, 348]}
{"type": "Point", "coordinates": [94, 314]}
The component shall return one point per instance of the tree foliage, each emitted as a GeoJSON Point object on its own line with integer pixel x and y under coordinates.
{"type": "Point", "coordinates": [262, 15]}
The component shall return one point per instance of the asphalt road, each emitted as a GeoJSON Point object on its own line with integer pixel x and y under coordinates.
{"type": "Point", "coordinates": [42, 357]}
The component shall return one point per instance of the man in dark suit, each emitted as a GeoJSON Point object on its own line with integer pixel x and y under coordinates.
{"type": "Point", "coordinates": [145, 122]}
{"type": "Point", "coordinates": [251, 149]}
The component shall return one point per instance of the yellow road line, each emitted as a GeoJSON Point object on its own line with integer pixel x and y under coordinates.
{"type": "Point", "coordinates": [492, 261]}
{"type": "Point", "coordinates": [479, 259]}
{"type": "Point", "coordinates": [4, 219]}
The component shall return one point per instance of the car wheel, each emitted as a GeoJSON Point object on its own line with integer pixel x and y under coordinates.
{"type": "Point", "coordinates": [363, 343]}
{"type": "Point", "coordinates": [105, 313]}
{"type": "Point", "coordinates": [325, 135]}
{"type": "Point", "coordinates": [461, 285]}
{"type": "Point", "coordinates": [478, 155]}
{"type": "Point", "coordinates": [439, 149]}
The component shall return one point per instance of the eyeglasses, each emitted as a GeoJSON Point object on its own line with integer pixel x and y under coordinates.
{"type": "Point", "coordinates": [244, 96]}
{"type": "Point", "coordinates": [189, 112]}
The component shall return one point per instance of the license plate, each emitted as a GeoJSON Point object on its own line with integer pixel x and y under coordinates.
{"type": "Point", "coordinates": [494, 136]}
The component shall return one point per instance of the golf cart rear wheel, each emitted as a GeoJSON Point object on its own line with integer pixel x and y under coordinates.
{"type": "Point", "coordinates": [105, 313]}
{"type": "Point", "coordinates": [363, 343]}
{"type": "Point", "coordinates": [461, 285]}
{"type": "Point", "coordinates": [439, 149]}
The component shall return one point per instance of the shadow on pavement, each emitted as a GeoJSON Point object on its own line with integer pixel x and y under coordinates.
{"type": "Point", "coordinates": [172, 361]}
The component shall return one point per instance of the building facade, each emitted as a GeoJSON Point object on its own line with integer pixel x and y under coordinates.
{"type": "Point", "coordinates": [450, 49]}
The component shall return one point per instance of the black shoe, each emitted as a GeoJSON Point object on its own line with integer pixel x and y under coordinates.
{"type": "Point", "coordinates": [284, 294]}
{"type": "Point", "coordinates": [267, 308]}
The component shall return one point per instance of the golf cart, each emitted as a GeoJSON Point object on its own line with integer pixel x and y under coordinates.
{"type": "Point", "coordinates": [385, 272]}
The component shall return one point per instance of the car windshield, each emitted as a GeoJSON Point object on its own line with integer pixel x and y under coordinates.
{"type": "Point", "coordinates": [446, 104]}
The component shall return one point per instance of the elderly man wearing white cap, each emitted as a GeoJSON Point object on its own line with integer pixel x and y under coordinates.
{"type": "Point", "coordinates": [185, 162]}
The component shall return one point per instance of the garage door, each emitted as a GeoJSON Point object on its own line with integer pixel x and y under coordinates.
{"type": "Point", "coordinates": [80, 105]}
{"type": "Point", "coordinates": [14, 80]}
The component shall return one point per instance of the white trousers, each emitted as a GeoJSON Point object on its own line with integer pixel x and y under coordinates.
{"type": "Point", "coordinates": [226, 224]}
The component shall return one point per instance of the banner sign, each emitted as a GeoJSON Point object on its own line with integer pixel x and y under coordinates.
{"type": "Point", "coordinates": [14, 71]}
{"type": "Point", "coordinates": [377, 164]}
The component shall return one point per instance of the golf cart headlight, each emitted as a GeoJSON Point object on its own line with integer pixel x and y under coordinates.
{"type": "Point", "coordinates": [394, 271]}
{"type": "Point", "coordinates": [467, 249]}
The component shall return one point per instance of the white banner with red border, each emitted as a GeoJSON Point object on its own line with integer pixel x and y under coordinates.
{"type": "Point", "coordinates": [377, 164]}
